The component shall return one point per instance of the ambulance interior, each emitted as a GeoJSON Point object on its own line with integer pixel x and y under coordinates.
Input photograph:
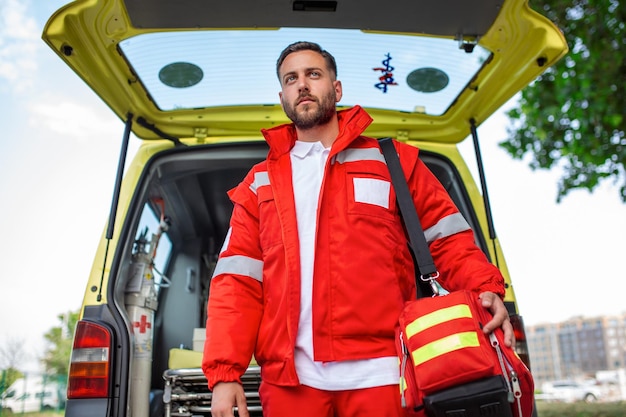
{"type": "Point", "coordinates": [191, 184]}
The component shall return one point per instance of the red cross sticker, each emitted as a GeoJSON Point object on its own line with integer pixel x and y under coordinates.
{"type": "Point", "coordinates": [143, 324]}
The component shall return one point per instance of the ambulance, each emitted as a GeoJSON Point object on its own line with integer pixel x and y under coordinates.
{"type": "Point", "coordinates": [195, 81]}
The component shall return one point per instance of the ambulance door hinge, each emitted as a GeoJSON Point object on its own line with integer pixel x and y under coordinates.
{"type": "Point", "coordinates": [200, 133]}
{"type": "Point", "coordinates": [402, 135]}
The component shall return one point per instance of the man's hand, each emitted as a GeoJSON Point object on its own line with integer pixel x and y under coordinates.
{"type": "Point", "coordinates": [495, 305]}
{"type": "Point", "coordinates": [227, 395]}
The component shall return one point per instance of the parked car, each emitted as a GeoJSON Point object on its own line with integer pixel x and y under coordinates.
{"type": "Point", "coordinates": [570, 391]}
{"type": "Point", "coordinates": [195, 82]}
{"type": "Point", "coordinates": [27, 395]}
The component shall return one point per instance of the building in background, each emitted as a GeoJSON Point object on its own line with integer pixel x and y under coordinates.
{"type": "Point", "coordinates": [580, 348]}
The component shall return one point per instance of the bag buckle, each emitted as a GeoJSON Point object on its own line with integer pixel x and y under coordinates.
{"type": "Point", "coordinates": [431, 279]}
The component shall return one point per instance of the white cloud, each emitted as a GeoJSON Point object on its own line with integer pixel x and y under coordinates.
{"type": "Point", "coordinates": [72, 119]}
{"type": "Point", "coordinates": [19, 41]}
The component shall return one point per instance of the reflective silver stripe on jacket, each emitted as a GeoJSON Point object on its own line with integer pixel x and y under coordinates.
{"type": "Point", "coordinates": [448, 226]}
{"type": "Point", "coordinates": [226, 240]}
{"type": "Point", "coordinates": [260, 179]}
{"type": "Point", "coordinates": [360, 154]}
{"type": "Point", "coordinates": [240, 265]}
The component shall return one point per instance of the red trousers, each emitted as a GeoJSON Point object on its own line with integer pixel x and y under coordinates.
{"type": "Point", "coordinates": [305, 401]}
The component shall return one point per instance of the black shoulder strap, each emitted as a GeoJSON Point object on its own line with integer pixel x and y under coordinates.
{"type": "Point", "coordinates": [417, 240]}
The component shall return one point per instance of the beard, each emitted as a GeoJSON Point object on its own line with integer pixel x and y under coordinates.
{"type": "Point", "coordinates": [307, 116]}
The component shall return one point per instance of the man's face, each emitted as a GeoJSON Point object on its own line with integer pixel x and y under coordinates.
{"type": "Point", "coordinates": [309, 90]}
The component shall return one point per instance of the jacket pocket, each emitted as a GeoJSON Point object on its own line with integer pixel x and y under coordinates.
{"type": "Point", "coordinates": [370, 194]}
{"type": "Point", "coordinates": [269, 226]}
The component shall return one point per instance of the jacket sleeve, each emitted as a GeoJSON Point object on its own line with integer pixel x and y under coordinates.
{"type": "Point", "coordinates": [460, 262]}
{"type": "Point", "coordinates": [235, 304]}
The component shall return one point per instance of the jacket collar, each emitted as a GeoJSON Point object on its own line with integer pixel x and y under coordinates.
{"type": "Point", "coordinates": [352, 123]}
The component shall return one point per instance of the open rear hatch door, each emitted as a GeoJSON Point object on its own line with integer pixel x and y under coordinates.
{"type": "Point", "coordinates": [194, 69]}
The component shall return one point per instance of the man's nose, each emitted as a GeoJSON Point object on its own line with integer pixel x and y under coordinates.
{"type": "Point", "coordinates": [303, 84]}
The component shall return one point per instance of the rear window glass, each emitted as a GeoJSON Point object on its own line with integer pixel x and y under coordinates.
{"type": "Point", "coordinates": [197, 69]}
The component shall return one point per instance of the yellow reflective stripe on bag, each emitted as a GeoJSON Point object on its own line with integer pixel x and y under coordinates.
{"type": "Point", "coordinates": [437, 317]}
{"type": "Point", "coordinates": [444, 345]}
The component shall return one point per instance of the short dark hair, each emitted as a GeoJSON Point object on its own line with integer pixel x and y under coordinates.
{"type": "Point", "coordinates": [306, 46]}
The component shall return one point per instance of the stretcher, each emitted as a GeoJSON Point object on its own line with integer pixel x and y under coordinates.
{"type": "Point", "coordinates": [186, 393]}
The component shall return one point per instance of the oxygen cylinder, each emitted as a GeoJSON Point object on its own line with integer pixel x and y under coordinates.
{"type": "Point", "coordinates": [141, 303]}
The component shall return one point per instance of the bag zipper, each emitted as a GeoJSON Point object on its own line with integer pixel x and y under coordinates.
{"type": "Point", "coordinates": [517, 391]}
{"type": "Point", "coordinates": [510, 376]}
{"type": "Point", "coordinates": [403, 362]}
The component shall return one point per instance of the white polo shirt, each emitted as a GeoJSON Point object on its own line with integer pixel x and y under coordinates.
{"type": "Point", "coordinates": [308, 160]}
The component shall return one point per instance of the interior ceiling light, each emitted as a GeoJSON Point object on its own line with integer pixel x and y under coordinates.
{"type": "Point", "coordinates": [181, 74]}
{"type": "Point", "coordinates": [427, 80]}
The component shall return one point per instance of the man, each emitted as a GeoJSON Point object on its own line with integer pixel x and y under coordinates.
{"type": "Point", "coordinates": [315, 268]}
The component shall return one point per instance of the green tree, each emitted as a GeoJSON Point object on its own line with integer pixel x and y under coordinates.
{"type": "Point", "coordinates": [11, 357]}
{"type": "Point", "coordinates": [573, 116]}
{"type": "Point", "coordinates": [57, 356]}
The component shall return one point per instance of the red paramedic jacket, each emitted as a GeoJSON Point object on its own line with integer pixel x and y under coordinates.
{"type": "Point", "coordinates": [363, 271]}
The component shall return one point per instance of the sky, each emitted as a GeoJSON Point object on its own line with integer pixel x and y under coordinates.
{"type": "Point", "coordinates": [58, 156]}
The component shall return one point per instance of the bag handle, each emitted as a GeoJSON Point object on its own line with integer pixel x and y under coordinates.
{"type": "Point", "coordinates": [426, 273]}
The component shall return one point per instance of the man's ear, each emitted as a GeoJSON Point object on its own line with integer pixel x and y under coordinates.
{"type": "Point", "coordinates": [338, 90]}
{"type": "Point", "coordinates": [280, 97]}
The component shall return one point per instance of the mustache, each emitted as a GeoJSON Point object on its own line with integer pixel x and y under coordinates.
{"type": "Point", "coordinates": [303, 97]}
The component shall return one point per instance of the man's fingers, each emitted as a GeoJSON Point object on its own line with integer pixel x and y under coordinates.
{"type": "Point", "coordinates": [227, 395]}
{"type": "Point", "coordinates": [242, 406]}
{"type": "Point", "coordinates": [496, 306]}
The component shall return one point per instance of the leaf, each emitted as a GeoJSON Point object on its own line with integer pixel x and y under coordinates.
{"type": "Point", "coordinates": [572, 116]}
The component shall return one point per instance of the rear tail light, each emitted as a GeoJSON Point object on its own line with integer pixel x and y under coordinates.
{"type": "Point", "coordinates": [90, 362]}
{"type": "Point", "coordinates": [521, 344]}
